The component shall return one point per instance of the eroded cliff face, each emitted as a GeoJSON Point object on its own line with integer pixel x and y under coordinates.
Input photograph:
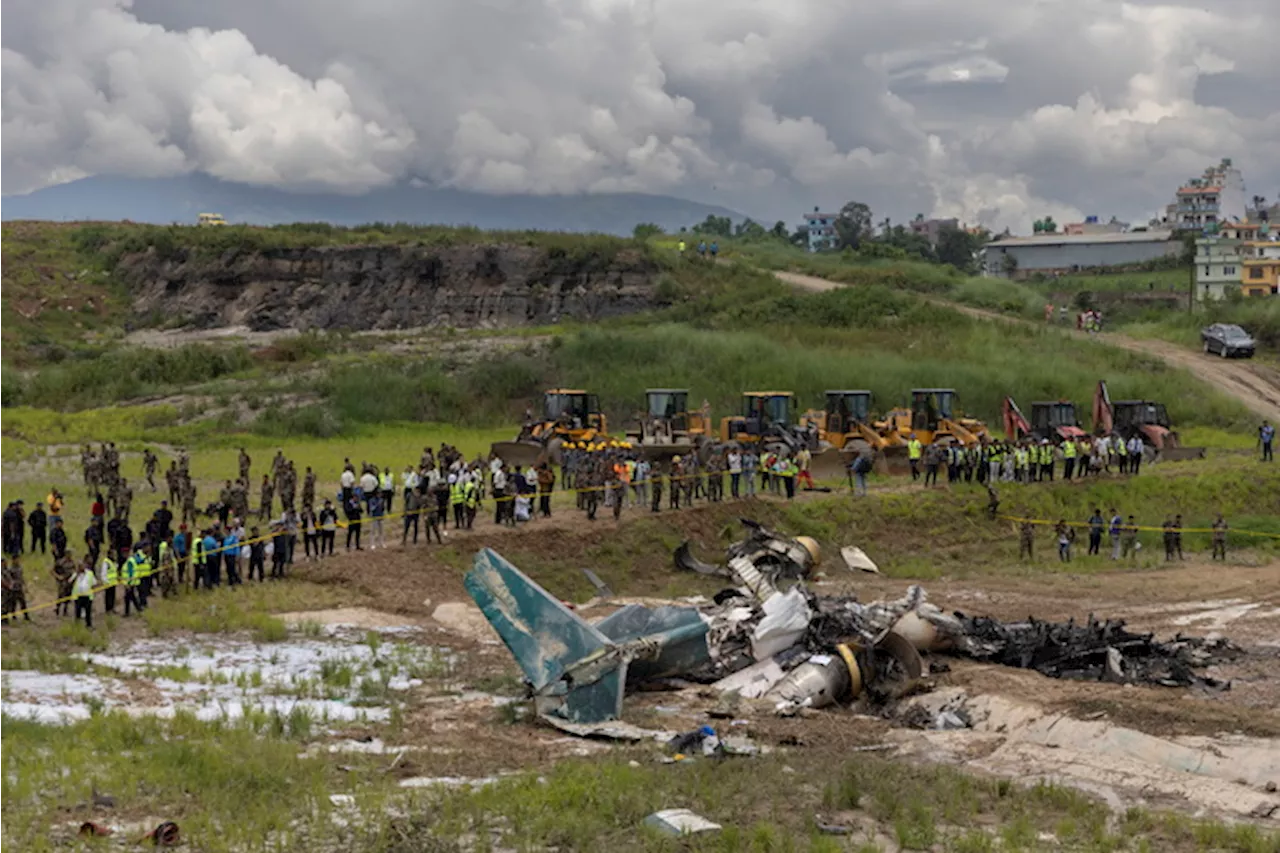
{"type": "Point", "coordinates": [388, 287]}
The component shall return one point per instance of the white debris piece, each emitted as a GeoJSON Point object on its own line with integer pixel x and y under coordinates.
{"type": "Point", "coordinates": [679, 822]}
{"type": "Point", "coordinates": [856, 558]}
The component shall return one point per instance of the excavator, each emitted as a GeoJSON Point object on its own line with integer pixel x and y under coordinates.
{"type": "Point", "coordinates": [1145, 418]}
{"type": "Point", "coordinates": [768, 418]}
{"type": "Point", "coordinates": [567, 415]}
{"type": "Point", "coordinates": [1054, 421]}
{"type": "Point", "coordinates": [932, 417]}
{"type": "Point", "coordinates": [669, 427]}
{"type": "Point", "coordinates": [845, 428]}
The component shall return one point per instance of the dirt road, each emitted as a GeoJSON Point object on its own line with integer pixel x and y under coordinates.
{"type": "Point", "coordinates": [1254, 385]}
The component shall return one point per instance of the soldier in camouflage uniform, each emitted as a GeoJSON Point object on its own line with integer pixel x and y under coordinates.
{"type": "Point", "coordinates": [7, 598]}
{"type": "Point", "coordinates": [174, 483]}
{"type": "Point", "coordinates": [15, 590]}
{"type": "Point", "coordinates": [245, 462]}
{"type": "Point", "coordinates": [266, 495]}
{"type": "Point", "coordinates": [64, 572]}
{"type": "Point", "coordinates": [149, 463]}
{"type": "Point", "coordinates": [309, 490]}
{"type": "Point", "coordinates": [188, 502]}
{"type": "Point", "coordinates": [288, 486]}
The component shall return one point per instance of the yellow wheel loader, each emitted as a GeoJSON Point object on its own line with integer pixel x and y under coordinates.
{"type": "Point", "coordinates": [567, 415]}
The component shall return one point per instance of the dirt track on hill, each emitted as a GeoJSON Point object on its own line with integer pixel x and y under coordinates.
{"type": "Point", "coordinates": [1256, 386]}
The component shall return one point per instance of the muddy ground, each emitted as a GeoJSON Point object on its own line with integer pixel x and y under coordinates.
{"type": "Point", "coordinates": [1165, 747]}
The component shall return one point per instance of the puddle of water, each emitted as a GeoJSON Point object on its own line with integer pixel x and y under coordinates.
{"type": "Point", "coordinates": [338, 679]}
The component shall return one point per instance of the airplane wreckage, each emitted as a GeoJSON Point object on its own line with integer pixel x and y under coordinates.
{"type": "Point", "coordinates": [768, 637]}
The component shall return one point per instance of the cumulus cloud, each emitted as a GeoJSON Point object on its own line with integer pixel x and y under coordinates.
{"type": "Point", "coordinates": [994, 111]}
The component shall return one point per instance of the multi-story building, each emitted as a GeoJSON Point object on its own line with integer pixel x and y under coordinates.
{"type": "Point", "coordinates": [1217, 266]}
{"type": "Point", "coordinates": [1260, 263]}
{"type": "Point", "coordinates": [821, 228]}
{"type": "Point", "coordinates": [1206, 202]}
{"type": "Point", "coordinates": [931, 229]}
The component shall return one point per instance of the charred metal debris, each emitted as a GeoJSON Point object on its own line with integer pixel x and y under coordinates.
{"type": "Point", "coordinates": [767, 637]}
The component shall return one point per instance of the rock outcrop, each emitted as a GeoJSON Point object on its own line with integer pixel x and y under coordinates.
{"type": "Point", "coordinates": [388, 287]}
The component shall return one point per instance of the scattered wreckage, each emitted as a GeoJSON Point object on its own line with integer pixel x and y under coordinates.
{"type": "Point", "coordinates": [769, 637]}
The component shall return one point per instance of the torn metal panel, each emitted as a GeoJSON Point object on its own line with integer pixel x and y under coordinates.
{"type": "Point", "coordinates": [786, 621]}
{"type": "Point", "coordinates": [754, 681]}
{"type": "Point", "coordinates": [680, 634]}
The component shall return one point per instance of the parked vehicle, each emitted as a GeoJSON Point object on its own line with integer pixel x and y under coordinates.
{"type": "Point", "coordinates": [1227, 340]}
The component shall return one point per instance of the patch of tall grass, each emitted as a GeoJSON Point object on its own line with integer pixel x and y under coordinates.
{"type": "Point", "coordinates": [122, 374]}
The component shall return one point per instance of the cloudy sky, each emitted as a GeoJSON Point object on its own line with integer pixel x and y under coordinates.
{"type": "Point", "coordinates": [995, 111]}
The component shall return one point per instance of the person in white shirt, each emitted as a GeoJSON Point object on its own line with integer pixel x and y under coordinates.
{"type": "Point", "coordinates": [348, 482]}
{"type": "Point", "coordinates": [735, 472]}
{"type": "Point", "coordinates": [1135, 454]}
{"type": "Point", "coordinates": [368, 485]}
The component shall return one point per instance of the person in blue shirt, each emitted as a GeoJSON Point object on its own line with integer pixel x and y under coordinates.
{"type": "Point", "coordinates": [1266, 435]}
{"type": "Point", "coordinates": [231, 553]}
{"type": "Point", "coordinates": [180, 552]}
{"type": "Point", "coordinates": [212, 573]}
{"type": "Point", "coordinates": [715, 249]}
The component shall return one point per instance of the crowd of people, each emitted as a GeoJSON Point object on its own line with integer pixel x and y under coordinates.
{"type": "Point", "coordinates": [1026, 460]}
{"type": "Point", "coordinates": [1122, 535]}
{"type": "Point", "coordinates": [222, 544]}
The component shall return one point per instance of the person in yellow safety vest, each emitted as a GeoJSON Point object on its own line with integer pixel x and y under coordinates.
{"type": "Point", "coordinates": [457, 500]}
{"type": "Point", "coordinates": [1068, 458]}
{"type": "Point", "coordinates": [109, 573]}
{"type": "Point", "coordinates": [790, 470]}
{"type": "Point", "coordinates": [1122, 455]}
{"type": "Point", "coordinates": [143, 570]}
{"type": "Point", "coordinates": [132, 581]}
{"type": "Point", "coordinates": [387, 485]}
{"type": "Point", "coordinates": [471, 496]}
{"type": "Point", "coordinates": [164, 568]}
{"type": "Point", "coordinates": [197, 561]}
{"type": "Point", "coordinates": [1020, 459]}
{"type": "Point", "coordinates": [915, 451]}
{"type": "Point", "coordinates": [82, 591]}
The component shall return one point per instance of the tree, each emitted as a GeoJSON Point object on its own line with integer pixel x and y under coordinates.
{"type": "Point", "coordinates": [1045, 226]}
{"type": "Point", "coordinates": [645, 230]}
{"type": "Point", "coordinates": [749, 229]}
{"type": "Point", "coordinates": [716, 226]}
{"type": "Point", "coordinates": [853, 224]}
{"type": "Point", "coordinates": [780, 230]}
{"type": "Point", "coordinates": [957, 247]}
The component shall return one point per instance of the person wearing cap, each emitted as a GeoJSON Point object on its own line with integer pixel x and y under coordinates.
{"type": "Point", "coordinates": [57, 539]}
{"type": "Point", "coordinates": [353, 513]}
{"type": "Point", "coordinates": [328, 522]}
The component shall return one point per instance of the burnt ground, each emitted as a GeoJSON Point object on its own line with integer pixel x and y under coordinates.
{"type": "Point", "coordinates": [1240, 602]}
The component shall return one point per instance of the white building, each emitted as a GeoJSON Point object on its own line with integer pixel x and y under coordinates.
{"type": "Point", "coordinates": [1059, 254]}
{"type": "Point", "coordinates": [1206, 202]}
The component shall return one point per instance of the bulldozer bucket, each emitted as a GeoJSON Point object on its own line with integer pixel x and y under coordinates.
{"type": "Point", "coordinates": [830, 465]}
{"type": "Point", "coordinates": [522, 453]}
{"type": "Point", "coordinates": [664, 452]}
{"type": "Point", "coordinates": [893, 461]}
{"type": "Point", "coordinates": [1177, 453]}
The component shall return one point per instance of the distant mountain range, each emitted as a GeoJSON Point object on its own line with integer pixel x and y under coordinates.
{"type": "Point", "coordinates": [168, 200]}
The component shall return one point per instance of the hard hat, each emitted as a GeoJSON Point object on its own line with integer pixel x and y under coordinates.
{"type": "Point", "coordinates": [811, 545]}
{"type": "Point", "coordinates": [675, 458]}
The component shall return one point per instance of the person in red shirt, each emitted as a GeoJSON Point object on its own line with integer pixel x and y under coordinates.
{"type": "Point", "coordinates": [97, 510]}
